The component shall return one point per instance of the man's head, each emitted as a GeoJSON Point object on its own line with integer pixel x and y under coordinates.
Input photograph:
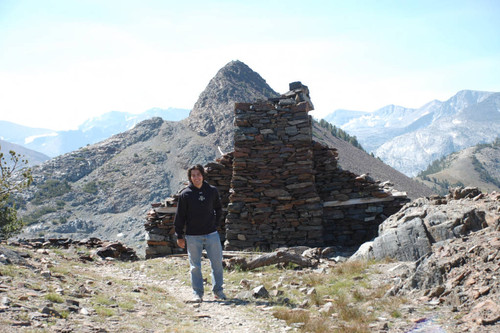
{"type": "Point", "coordinates": [196, 175]}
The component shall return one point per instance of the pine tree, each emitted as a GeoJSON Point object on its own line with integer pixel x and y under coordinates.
{"type": "Point", "coordinates": [14, 178]}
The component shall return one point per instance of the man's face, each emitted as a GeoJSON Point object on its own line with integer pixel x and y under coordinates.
{"type": "Point", "coordinates": [196, 178]}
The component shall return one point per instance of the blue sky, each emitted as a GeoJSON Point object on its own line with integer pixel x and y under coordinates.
{"type": "Point", "coordinates": [64, 61]}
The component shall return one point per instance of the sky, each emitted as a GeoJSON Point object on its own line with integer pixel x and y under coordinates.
{"type": "Point", "coordinates": [65, 61]}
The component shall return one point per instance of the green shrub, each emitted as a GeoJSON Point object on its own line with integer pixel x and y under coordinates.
{"type": "Point", "coordinates": [10, 224]}
{"type": "Point", "coordinates": [90, 187]}
{"type": "Point", "coordinates": [52, 188]}
{"type": "Point", "coordinates": [33, 217]}
{"type": "Point", "coordinates": [53, 297]}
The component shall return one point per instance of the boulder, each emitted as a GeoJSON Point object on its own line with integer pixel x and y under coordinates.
{"type": "Point", "coordinates": [409, 234]}
{"type": "Point", "coordinates": [408, 242]}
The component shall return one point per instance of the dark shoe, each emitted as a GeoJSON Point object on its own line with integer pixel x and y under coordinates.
{"type": "Point", "coordinates": [220, 295]}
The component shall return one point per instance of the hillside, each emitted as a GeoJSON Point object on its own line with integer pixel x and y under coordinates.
{"type": "Point", "coordinates": [33, 157]}
{"type": "Point", "coordinates": [477, 166]}
{"type": "Point", "coordinates": [105, 189]}
{"type": "Point", "coordinates": [57, 289]}
{"type": "Point", "coordinates": [356, 160]}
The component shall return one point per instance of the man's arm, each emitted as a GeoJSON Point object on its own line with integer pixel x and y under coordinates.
{"type": "Point", "coordinates": [217, 208]}
{"type": "Point", "coordinates": [180, 221]}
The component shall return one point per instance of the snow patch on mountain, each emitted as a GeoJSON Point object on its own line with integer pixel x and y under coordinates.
{"type": "Point", "coordinates": [32, 138]}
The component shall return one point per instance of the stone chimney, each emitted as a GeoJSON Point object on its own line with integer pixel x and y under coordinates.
{"type": "Point", "coordinates": [274, 201]}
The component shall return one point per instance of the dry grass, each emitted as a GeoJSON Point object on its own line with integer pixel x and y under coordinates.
{"type": "Point", "coordinates": [354, 302]}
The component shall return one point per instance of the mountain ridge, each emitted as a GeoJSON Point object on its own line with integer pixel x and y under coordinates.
{"type": "Point", "coordinates": [235, 82]}
{"type": "Point", "coordinates": [446, 134]}
{"type": "Point", "coordinates": [53, 143]}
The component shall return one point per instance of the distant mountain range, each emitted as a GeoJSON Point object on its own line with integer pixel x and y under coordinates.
{"type": "Point", "coordinates": [105, 189]}
{"type": "Point", "coordinates": [410, 139]}
{"type": "Point", "coordinates": [55, 143]}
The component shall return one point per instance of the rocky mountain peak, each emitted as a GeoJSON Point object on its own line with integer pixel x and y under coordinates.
{"type": "Point", "coordinates": [465, 98]}
{"type": "Point", "coordinates": [213, 113]}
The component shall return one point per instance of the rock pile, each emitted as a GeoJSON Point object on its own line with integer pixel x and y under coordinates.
{"type": "Point", "coordinates": [160, 229]}
{"type": "Point", "coordinates": [463, 273]}
{"type": "Point", "coordinates": [103, 249]}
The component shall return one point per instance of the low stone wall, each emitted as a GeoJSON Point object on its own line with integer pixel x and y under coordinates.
{"type": "Point", "coordinates": [161, 240]}
{"type": "Point", "coordinates": [353, 205]}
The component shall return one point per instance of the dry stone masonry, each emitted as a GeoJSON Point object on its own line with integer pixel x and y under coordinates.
{"type": "Point", "coordinates": [281, 188]}
{"type": "Point", "coordinates": [274, 201]}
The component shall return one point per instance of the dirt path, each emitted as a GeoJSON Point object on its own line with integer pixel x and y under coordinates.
{"type": "Point", "coordinates": [231, 315]}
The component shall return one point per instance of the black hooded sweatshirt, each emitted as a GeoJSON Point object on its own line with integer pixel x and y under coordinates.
{"type": "Point", "coordinates": [198, 211]}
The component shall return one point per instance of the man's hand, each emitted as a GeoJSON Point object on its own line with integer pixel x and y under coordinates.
{"type": "Point", "coordinates": [181, 243]}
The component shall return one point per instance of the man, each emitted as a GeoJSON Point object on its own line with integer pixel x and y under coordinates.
{"type": "Point", "coordinates": [198, 213]}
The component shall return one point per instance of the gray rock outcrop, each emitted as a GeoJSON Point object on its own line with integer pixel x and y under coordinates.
{"type": "Point", "coordinates": [409, 234]}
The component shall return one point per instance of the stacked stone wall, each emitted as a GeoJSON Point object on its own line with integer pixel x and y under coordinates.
{"type": "Point", "coordinates": [160, 238]}
{"type": "Point", "coordinates": [219, 174]}
{"type": "Point", "coordinates": [274, 201]}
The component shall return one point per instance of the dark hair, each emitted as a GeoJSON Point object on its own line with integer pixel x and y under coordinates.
{"type": "Point", "coordinates": [198, 167]}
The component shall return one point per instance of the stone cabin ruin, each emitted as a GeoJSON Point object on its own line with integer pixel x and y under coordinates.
{"type": "Point", "coordinates": [281, 188]}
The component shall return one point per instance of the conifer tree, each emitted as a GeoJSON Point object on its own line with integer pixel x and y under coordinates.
{"type": "Point", "coordinates": [14, 178]}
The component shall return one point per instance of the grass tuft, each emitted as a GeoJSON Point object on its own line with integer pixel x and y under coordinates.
{"type": "Point", "coordinates": [53, 297]}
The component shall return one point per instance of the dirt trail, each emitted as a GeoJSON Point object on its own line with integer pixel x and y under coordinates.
{"type": "Point", "coordinates": [231, 315]}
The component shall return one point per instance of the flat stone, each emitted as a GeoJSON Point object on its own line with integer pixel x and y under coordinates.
{"type": "Point", "coordinates": [260, 292]}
